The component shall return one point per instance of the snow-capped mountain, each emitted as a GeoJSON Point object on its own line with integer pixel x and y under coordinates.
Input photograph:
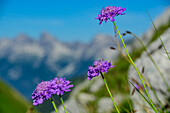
{"type": "Point", "coordinates": [24, 61]}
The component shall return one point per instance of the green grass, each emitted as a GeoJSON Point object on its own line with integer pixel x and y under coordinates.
{"type": "Point", "coordinates": [11, 101]}
{"type": "Point", "coordinates": [125, 107]}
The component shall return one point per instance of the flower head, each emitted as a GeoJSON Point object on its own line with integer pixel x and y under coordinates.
{"type": "Point", "coordinates": [41, 93]}
{"type": "Point", "coordinates": [110, 12]}
{"type": "Point", "coordinates": [60, 85]}
{"type": "Point", "coordinates": [139, 87]}
{"type": "Point", "coordinates": [98, 66]}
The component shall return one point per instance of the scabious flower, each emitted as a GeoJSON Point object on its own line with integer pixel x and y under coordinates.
{"type": "Point", "coordinates": [59, 86]}
{"type": "Point", "coordinates": [41, 93]}
{"type": "Point", "coordinates": [109, 13]}
{"type": "Point", "coordinates": [139, 87]}
{"type": "Point", "coordinates": [98, 66]}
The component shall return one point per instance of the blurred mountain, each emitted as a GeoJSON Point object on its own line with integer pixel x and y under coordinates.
{"type": "Point", "coordinates": [24, 61]}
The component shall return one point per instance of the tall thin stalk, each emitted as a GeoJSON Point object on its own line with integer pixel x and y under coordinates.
{"type": "Point", "coordinates": [54, 105]}
{"type": "Point", "coordinates": [109, 92]}
{"type": "Point", "coordinates": [152, 60]}
{"type": "Point", "coordinates": [153, 107]}
{"type": "Point", "coordinates": [158, 34]}
{"type": "Point", "coordinates": [63, 104]}
{"type": "Point", "coordinates": [153, 63]}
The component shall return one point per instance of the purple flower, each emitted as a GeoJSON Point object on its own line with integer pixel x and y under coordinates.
{"type": "Point", "coordinates": [109, 13]}
{"type": "Point", "coordinates": [60, 85]}
{"type": "Point", "coordinates": [98, 66]}
{"type": "Point", "coordinates": [139, 87]}
{"type": "Point", "coordinates": [41, 93]}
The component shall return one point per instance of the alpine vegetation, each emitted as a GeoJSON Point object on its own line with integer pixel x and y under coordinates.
{"type": "Point", "coordinates": [109, 13]}
{"type": "Point", "coordinates": [99, 67]}
{"type": "Point", "coordinates": [46, 89]}
{"type": "Point", "coordinates": [41, 93]}
{"type": "Point", "coordinates": [58, 86]}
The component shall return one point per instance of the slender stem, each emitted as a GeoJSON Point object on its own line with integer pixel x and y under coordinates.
{"type": "Point", "coordinates": [141, 94]}
{"type": "Point", "coordinates": [158, 34]}
{"type": "Point", "coordinates": [152, 60]}
{"type": "Point", "coordinates": [63, 104]}
{"type": "Point", "coordinates": [118, 45]}
{"type": "Point", "coordinates": [54, 105]}
{"type": "Point", "coordinates": [129, 60]}
{"type": "Point", "coordinates": [158, 99]}
{"type": "Point", "coordinates": [109, 92]}
{"type": "Point", "coordinates": [156, 68]}
{"type": "Point", "coordinates": [135, 68]}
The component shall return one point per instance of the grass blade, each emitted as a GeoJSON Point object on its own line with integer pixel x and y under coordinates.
{"type": "Point", "coordinates": [158, 34]}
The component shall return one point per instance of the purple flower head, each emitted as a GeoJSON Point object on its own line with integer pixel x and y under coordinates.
{"type": "Point", "coordinates": [110, 12]}
{"type": "Point", "coordinates": [60, 85]}
{"type": "Point", "coordinates": [41, 93]}
{"type": "Point", "coordinates": [98, 66]}
{"type": "Point", "coordinates": [139, 87]}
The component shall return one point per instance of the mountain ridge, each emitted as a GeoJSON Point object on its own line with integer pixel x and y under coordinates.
{"type": "Point", "coordinates": [24, 62]}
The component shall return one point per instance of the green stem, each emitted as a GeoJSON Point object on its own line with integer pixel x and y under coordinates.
{"type": "Point", "coordinates": [158, 34]}
{"type": "Point", "coordinates": [135, 68]}
{"type": "Point", "coordinates": [156, 68]}
{"type": "Point", "coordinates": [63, 104]}
{"type": "Point", "coordinates": [54, 105]}
{"type": "Point", "coordinates": [152, 61]}
{"type": "Point", "coordinates": [141, 94]}
{"type": "Point", "coordinates": [158, 99]}
{"type": "Point", "coordinates": [109, 92]}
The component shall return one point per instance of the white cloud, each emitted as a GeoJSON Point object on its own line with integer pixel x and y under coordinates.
{"type": "Point", "coordinates": [19, 51]}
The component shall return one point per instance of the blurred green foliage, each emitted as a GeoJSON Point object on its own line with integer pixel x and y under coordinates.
{"type": "Point", "coordinates": [125, 107]}
{"type": "Point", "coordinates": [11, 101]}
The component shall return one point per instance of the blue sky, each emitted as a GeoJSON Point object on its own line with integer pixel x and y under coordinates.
{"type": "Point", "coordinates": [73, 20]}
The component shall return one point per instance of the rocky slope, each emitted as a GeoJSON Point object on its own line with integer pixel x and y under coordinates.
{"type": "Point", "coordinates": [152, 75]}
{"type": "Point", "coordinates": [83, 98]}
